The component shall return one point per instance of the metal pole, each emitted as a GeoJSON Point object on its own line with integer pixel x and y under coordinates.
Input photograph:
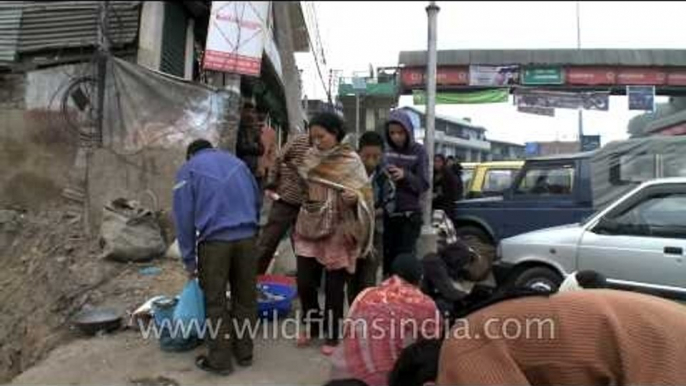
{"type": "Point", "coordinates": [357, 116]}
{"type": "Point", "coordinates": [428, 241]}
{"type": "Point", "coordinates": [103, 51]}
{"type": "Point", "coordinates": [578, 47]}
{"type": "Point", "coordinates": [432, 12]}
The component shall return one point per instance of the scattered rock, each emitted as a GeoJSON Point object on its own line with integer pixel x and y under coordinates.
{"type": "Point", "coordinates": [159, 381]}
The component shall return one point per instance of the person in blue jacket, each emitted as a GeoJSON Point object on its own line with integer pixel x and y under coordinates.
{"type": "Point", "coordinates": [216, 209]}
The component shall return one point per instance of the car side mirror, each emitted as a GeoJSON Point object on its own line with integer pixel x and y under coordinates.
{"type": "Point", "coordinates": [606, 227]}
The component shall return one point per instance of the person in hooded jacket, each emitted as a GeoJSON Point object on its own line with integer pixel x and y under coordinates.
{"type": "Point", "coordinates": [408, 165]}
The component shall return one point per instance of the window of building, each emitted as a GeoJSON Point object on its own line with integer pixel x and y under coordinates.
{"type": "Point", "coordinates": [174, 39]}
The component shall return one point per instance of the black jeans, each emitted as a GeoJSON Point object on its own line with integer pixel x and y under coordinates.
{"type": "Point", "coordinates": [366, 270]}
{"type": "Point", "coordinates": [364, 277]}
{"type": "Point", "coordinates": [327, 326]}
{"type": "Point", "coordinates": [221, 263]}
{"type": "Point", "coordinates": [282, 217]}
{"type": "Point", "coordinates": [400, 236]}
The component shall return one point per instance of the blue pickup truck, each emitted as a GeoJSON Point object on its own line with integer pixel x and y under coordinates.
{"type": "Point", "coordinates": [565, 189]}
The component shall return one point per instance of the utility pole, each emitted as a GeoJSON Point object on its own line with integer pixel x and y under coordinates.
{"type": "Point", "coordinates": [428, 240]}
{"type": "Point", "coordinates": [103, 53]}
{"type": "Point", "coordinates": [578, 47]}
{"type": "Point", "coordinates": [357, 116]}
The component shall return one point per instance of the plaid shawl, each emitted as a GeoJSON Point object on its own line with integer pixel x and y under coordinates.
{"type": "Point", "coordinates": [342, 169]}
{"type": "Point", "coordinates": [397, 309]}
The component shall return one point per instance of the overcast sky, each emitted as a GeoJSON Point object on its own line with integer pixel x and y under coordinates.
{"type": "Point", "coordinates": [357, 34]}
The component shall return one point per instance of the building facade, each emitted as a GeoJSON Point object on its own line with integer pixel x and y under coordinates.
{"type": "Point", "coordinates": [48, 83]}
{"type": "Point", "coordinates": [367, 100]}
{"type": "Point", "coordinates": [454, 137]}
{"type": "Point", "coordinates": [506, 151]}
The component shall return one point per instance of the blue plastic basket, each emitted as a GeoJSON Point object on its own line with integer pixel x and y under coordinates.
{"type": "Point", "coordinates": [267, 309]}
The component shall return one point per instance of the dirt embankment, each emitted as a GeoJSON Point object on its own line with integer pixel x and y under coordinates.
{"type": "Point", "coordinates": [50, 271]}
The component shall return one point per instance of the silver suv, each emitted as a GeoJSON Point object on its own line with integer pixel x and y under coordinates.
{"type": "Point", "coordinates": [638, 243]}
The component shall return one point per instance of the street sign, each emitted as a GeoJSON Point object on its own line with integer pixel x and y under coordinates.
{"type": "Point", "coordinates": [236, 37]}
{"type": "Point", "coordinates": [359, 84]}
{"type": "Point", "coordinates": [591, 100]}
{"type": "Point", "coordinates": [543, 75]}
{"type": "Point", "coordinates": [590, 76]}
{"type": "Point", "coordinates": [536, 110]}
{"type": "Point", "coordinates": [493, 75]}
{"type": "Point", "coordinates": [641, 76]}
{"type": "Point", "coordinates": [676, 78]}
{"type": "Point", "coordinates": [499, 95]}
{"type": "Point", "coordinates": [447, 76]}
{"type": "Point", "coordinates": [641, 97]}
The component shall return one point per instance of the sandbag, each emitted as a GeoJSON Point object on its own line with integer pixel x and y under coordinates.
{"type": "Point", "coordinates": [130, 233]}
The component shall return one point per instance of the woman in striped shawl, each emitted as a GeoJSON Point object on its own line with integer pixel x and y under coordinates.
{"type": "Point", "coordinates": [335, 226]}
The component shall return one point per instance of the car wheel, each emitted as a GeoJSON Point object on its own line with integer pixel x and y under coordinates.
{"type": "Point", "coordinates": [478, 240]}
{"type": "Point", "coordinates": [538, 278]}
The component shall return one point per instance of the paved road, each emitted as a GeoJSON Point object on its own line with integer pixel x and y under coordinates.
{"type": "Point", "coordinates": [118, 359]}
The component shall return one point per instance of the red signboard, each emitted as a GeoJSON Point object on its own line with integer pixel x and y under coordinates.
{"type": "Point", "coordinates": [414, 77]}
{"type": "Point", "coordinates": [591, 76]}
{"type": "Point", "coordinates": [445, 76]}
{"type": "Point", "coordinates": [677, 78]}
{"type": "Point", "coordinates": [641, 76]}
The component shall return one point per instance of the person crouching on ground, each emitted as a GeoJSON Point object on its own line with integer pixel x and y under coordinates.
{"type": "Point", "coordinates": [371, 148]}
{"type": "Point", "coordinates": [217, 195]}
{"type": "Point", "coordinates": [335, 226]}
{"type": "Point", "coordinates": [591, 337]}
{"type": "Point", "coordinates": [382, 321]}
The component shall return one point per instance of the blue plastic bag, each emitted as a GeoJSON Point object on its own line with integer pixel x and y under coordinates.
{"type": "Point", "coordinates": [190, 310]}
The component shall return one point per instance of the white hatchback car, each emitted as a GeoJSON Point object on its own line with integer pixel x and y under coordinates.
{"type": "Point", "coordinates": [638, 243]}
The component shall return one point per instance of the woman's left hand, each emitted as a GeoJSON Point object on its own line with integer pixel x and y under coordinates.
{"type": "Point", "coordinates": [349, 197]}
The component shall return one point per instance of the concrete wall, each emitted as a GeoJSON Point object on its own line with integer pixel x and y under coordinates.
{"type": "Point", "coordinates": [150, 34]}
{"type": "Point", "coordinates": [12, 88]}
{"type": "Point", "coordinates": [38, 153]}
{"type": "Point", "coordinates": [147, 177]}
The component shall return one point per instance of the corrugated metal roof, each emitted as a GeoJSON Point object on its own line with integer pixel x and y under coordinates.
{"type": "Point", "coordinates": [30, 26]}
{"type": "Point", "coordinates": [623, 57]}
{"type": "Point", "coordinates": [10, 20]}
{"type": "Point", "coordinates": [67, 24]}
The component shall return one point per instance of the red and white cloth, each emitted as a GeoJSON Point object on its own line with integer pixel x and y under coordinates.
{"type": "Point", "coordinates": [382, 321]}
